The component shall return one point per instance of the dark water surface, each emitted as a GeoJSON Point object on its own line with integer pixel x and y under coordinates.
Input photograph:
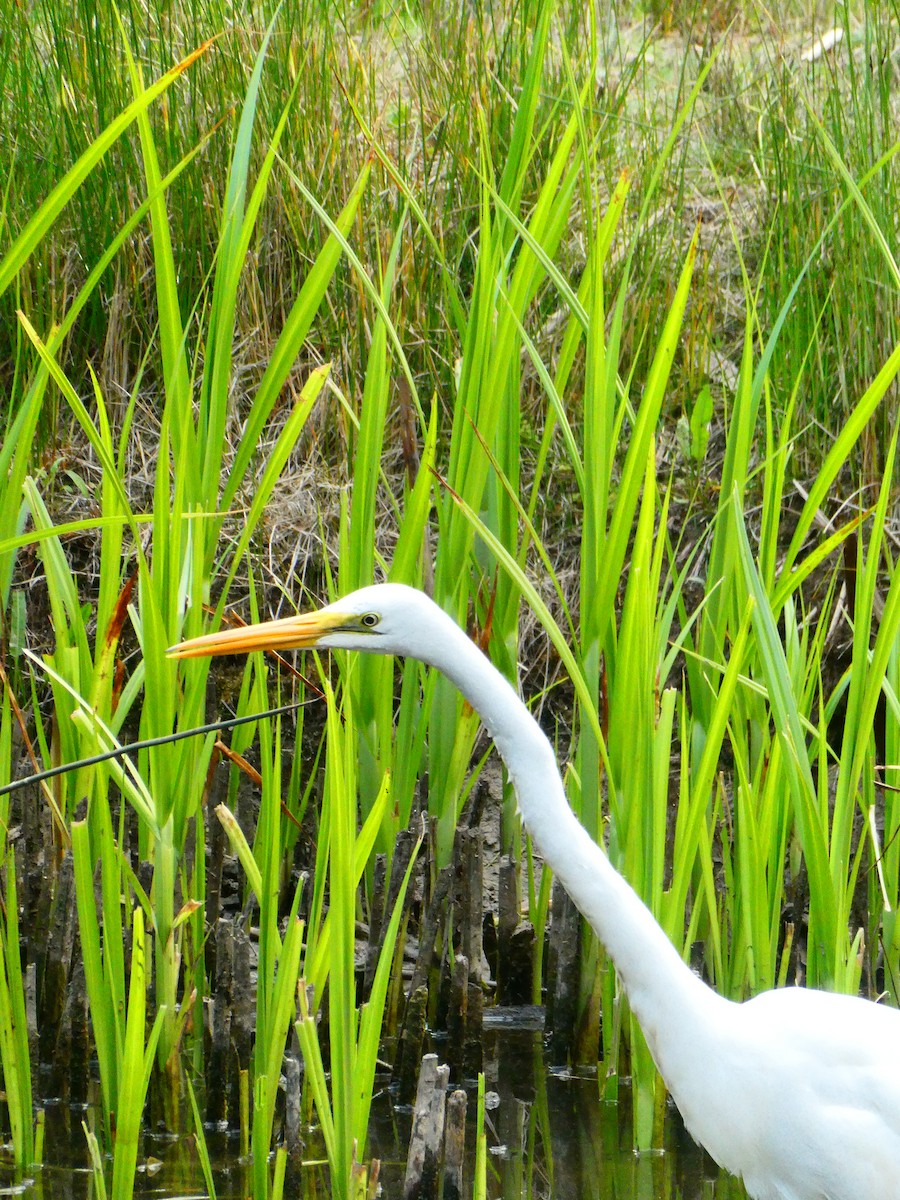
{"type": "Point", "coordinates": [549, 1136]}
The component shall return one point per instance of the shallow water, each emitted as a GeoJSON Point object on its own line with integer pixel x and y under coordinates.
{"type": "Point", "coordinates": [548, 1137]}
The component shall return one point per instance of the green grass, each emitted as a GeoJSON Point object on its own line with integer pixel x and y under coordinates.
{"type": "Point", "coordinates": [475, 276]}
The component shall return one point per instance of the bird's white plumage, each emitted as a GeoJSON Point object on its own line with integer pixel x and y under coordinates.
{"type": "Point", "coordinates": [795, 1091]}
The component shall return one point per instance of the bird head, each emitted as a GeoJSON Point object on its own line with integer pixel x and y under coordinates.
{"type": "Point", "coordinates": [386, 618]}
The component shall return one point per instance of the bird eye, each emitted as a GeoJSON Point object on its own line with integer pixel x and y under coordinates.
{"type": "Point", "coordinates": [370, 620]}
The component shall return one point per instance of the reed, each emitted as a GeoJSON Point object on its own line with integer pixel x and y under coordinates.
{"type": "Point", "coordinates": [343, 1095]}
{"type": "Point", "coordinates": [479, 300]}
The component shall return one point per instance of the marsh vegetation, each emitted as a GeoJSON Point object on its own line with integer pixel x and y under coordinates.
{"type": "Point", "coordinates": [586, 324]}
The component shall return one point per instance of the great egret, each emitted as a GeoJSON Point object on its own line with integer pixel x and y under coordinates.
{"type": "Point", "coordinates": [796, 1091]}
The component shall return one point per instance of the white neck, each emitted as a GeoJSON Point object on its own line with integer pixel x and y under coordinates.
{"type": "Point", "coordinates": [669, 1000]}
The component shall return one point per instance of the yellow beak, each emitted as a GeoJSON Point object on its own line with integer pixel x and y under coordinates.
{"type": "Point", "coordinates": [287, 634]}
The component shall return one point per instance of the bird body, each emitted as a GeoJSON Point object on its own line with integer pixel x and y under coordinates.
{"type": "Point", "coordinates": [795, 1091]}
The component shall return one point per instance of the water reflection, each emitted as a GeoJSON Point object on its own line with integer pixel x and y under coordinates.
{"type": "Point", "coordinates": [569, 1145]}
{"type": "Point", "coordinates": [549, 1137]}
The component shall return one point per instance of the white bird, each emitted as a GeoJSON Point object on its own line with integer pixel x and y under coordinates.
{"type": "Point", "coordinates": [795, 1091]}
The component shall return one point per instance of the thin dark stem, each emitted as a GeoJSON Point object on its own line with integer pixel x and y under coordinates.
{"type": "Point", "coordinates": [118, 751]}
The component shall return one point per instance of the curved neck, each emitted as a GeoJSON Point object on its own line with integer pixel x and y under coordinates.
{"type": "Point", "coordinates": [662, 990]}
